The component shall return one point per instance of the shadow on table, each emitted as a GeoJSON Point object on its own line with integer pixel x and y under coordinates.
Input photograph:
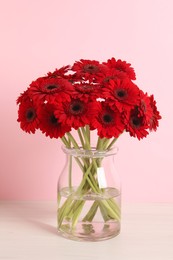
{"type": "Point", "coordinates": [42, 216]}
{"type": "Point", "coordinates": [43, 226]}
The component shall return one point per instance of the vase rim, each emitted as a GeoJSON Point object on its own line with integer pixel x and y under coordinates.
{"type": "Point", "coordinates": [93, 152]}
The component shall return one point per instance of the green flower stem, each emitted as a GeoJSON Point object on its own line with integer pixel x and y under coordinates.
{"type": "Point", "coordinates": [59, 198]}
{"type": "Point", "coordinates": [112, 143]}
{"type": "Point", "coordinates": [70, 172]}
{"type": "Point", "coordinates": [91, 213]}
{"type": "Point", "coordinates": [77, 213]}
{"type": "Point", "coordinates": [74, 211]}
{"type": "Point", "coordinates": [104, 212]}
{"type": "Point", "coordinates": [71, 139]}
{"type": "Point", "coordinates": [79, 163]}
{"type": "Point", "coordinates": [83, 180]}
{"type": "Point", "coordinates": [108, 212]}
{"type": "Point", "coordinates": [114, 206]}
{"type": "Point", "coordinates": [113, 214]}
{"type": "Point", "coordinates": [81, 138]}
{"type": "Point", "coordinates": [100, 142]}
{"type": "Point", "coordinates": [92, 179]}
{"type": "Point", "coordinates": [87, 142]}
{"type": "Point", "coordinates": [68, 144]}
{"type": "Point", "coordinates": [65, 141]}
{"type": "Point", "coordinates": [105, 144]}
{"type": "Point", "coordinates": [73, 207]}
{"type": "Point", "coordinates": [87, 129]}
{"type": "Point", "coordinates": [64, 210]}
{"type": "Point", "coordinates": [75, 144]}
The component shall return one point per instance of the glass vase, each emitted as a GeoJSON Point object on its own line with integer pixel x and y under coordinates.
{"type": "Point", "coordinates": [89, 196]}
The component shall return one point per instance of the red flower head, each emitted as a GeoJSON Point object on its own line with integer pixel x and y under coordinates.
{"type": "Point", "coordinates": [88, 69]}
{"type": "Point", "coordinates": [27, 115]}
{"type": "Point", "coordinates": [74, 113]}
{"type": "Point", "coordinates": [154, 123]}
{"type": "Point", "coordinates": [110, 74]}
{"type": "Point", "coordinates": [121, 66]}
{"type": "Point", "coordinates": [87, 91]}
{"type": "Point", "coordinates": [59, 72]}
{"type": "Point", "coordinates": [144, 107]}
{"type": "Point", "coordinates": [123, 94]}
{"type": "Point", "coordinates": [49, 124]}
{"type": "Point", "coordinates": [136, 124]}
{"type": "Point", "coordinates": [23, 97]}
{"type": "Point", "coordinates": [108, 122]}
{"type": "Point", "coordinates": [48, 89]}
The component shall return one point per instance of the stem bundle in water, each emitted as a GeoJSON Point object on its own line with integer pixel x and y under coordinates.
{"type": "Point", "coordinates": [102, 201]}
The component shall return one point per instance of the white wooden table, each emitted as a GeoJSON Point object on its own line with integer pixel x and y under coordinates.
{"type": "Point", "coordinates": [28, 231]}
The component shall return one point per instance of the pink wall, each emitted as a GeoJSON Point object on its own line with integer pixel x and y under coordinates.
{"type": "Point", "coordinates": [39, 35]}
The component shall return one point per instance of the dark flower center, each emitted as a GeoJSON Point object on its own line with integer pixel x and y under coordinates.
{"type": "Point", "coordinates": [51, 87]}
{"type": "Point", "coordinates": [77, 108]}
{"type": "Point", "coordinates": [107, 118]}
{"type": "Point", "coordinates": [121, 93]}
{"type": "Point", "coordinates": [108, 78]}
{"type": "Point", "coordinates": [136, 121]}
{"type": "Point", "coordinates": [53, 120]}
{"type": "Point", "coordinates": [120, 68]}
{"type": "Point", "coordinates": [90, 68]}
{"type": "Point", "coordinates": [30, 114]}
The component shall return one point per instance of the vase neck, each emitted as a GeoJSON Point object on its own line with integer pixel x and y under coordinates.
{"type": "Point", "coordinates": [93, 152]}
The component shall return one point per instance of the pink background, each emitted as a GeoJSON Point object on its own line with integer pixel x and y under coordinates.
{"type": "Point", "coordinates": [38, 36]}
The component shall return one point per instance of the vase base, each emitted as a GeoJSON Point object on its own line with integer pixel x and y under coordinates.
{"type": "Point", "coordinates": [86, 231]}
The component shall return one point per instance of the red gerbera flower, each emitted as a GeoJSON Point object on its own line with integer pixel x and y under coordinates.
{"type": "Point", "coordinates": [87, 91]}
{"type": "Point", "coordinates": [23, 97]}
{"type": "Point", "coordinates": [123, 93]}
{"type": "Point", "coordinates": [74, 113]}
{"type": "Point", "coordinates": [108, 122]}
{"type": "Point", "coordinates": [110, 74]}
{"type": "Point", "coordinates": [86, 66]}
{"type": "Point", "coordinates": [121, 66]}
{"type": "Point", "coordinates": [144, 107]}
{"type": "Point", "coordinates": [136, 124]}
{"type": "Point", "coordinates": [27, 116]}
{"type": "Point", "coordinates": [87, 69]}
{"type": "Point", "coordinates": [49, 124]}
{"type": "Point", "coordinates": [48, 89]}
{"type": "Point", "coordinates": [154, 123]}
{"type": "Point", "coordinates": [59, 72]}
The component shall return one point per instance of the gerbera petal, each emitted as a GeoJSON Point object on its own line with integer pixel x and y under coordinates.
{"type": "Point", "coordinates": [73, 113]}
{"type": "Point", "coordinates": [27, 116]}
{"type": "Point", "coordinates": [88, 69]}
{"type": "Point", "coordinates": [136, 124]}
{"type": "Point", "coordinates": [49, 123]}
{"type": "Point", "coordinates": [121, 66]}
{"type": "Point", "coordinates": [48, 89]}
{"type": "Point", "coordinates": [154, 120]}
{"type": "Point", "coordinates": [122, 93]}
{"type": "Point", "coordinates": [108, 122]}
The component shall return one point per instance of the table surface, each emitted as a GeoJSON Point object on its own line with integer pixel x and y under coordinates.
{"type": "Point", "coordinates": [28, 231]}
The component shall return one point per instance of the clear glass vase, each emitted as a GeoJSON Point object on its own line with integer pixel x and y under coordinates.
{"type": "Point", "coordinates": [89, 196]}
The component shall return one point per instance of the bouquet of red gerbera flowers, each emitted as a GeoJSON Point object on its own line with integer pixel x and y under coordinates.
{"type": "Point", "coordinates": [88, 96]}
